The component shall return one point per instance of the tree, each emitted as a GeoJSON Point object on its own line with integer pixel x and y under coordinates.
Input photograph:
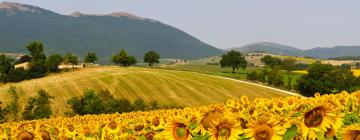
{"type": "Point", "coordinates": [17, 75]}
{"type": "Point", "coordinates": [289, 64]}
{"type": "Point", "coordinates": [13, 107]}
{"type": "Point", "coordinates": [70, 59]}
{"type": "Point", "coordinates": [38, 59]}
{"type": "Point", "coordinates": [327, 79]}
{"type": "Point", "coordinates": [140, 104]}
{"type": "Point", "coordinates": [53, 62]}
{"type": "Point", "coordinates": [5, 67]}
{"type": "Point", "coordinates": [23, 59]}
{"type": "Point", "coordinates": [91, 57]}
{"type": "Point", "coordinates": [275, 77]}
{"type": "Point", "coordinates": [123, 59]}
{"type": "Point", "coordinates": [89, 103]}
{"type": "Point", "coordinates": [151, 57]}
{"type": "Point", "coordinates": [38, 107]}
{"type": "Point", "coordinates": [234, 60]}
{"type": "Point", "coordinates": [271, 61]}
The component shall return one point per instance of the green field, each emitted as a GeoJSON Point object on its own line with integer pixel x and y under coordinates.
{"type": "Point", "coordinates": [166, 86]}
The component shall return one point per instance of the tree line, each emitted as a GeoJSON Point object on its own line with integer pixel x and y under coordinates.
{"type": "Point", "coordinates": [321, 78]}
{"type": "Point", "coordinates": [41, 65]}
{"type": "Point", "coordinates": [91, 102]}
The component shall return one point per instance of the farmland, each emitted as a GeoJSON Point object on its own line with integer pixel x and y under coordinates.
{"type": "Point", "coordinates": [165, 86]}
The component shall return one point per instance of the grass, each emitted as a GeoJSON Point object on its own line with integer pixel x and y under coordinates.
{"type": "Point", "coordinates": [166, 86]}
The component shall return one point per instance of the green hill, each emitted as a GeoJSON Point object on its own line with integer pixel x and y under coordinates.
{"type": "Point", "coordinates": [166, 86]}
{"type": "Point", "coordinates": [103, 34]}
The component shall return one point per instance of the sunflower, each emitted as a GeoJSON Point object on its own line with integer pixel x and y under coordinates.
{"type": "Point", "coordinates": [226, 129]}
{"type": "Point", "coordinates": [177, 130]}
{"type": "Point", "coordinates": [352, 132]}
{"type": "Point", "coordinates": [25, 136]}
{"type": "Point", "coordinates": [317, 120]}
{"type": "Point", "coordinates": [264, 129]}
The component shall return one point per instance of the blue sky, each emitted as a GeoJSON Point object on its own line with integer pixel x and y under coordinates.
{"type": "Point", "coordinates": [231, 23]}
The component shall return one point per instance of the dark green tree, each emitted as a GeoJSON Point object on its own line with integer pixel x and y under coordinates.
{"type": "Point", "coordinates": [289, 64]}
{"type": "Point", "coordinates": [38, 107]}
{"type": "Point", "coordinates": [151, 57]}
{"type": "Point", "coordinates": [140, 105]}
{"type": "Point", "coordinates": [275, 77]}
{"type": "Point", "coordinates": [53, 62]}
{"type": "Point", "coordinates": [89, 103]}
{"type": "Point", "coordinates": [91, 57]}
{"type": "Point", "coordinates": [70, 59]}
{"type": "Point", "coordinates": [5, 67]}
{"type": "Point", "coordinates": [17, 75]}
{"type": "Point", "coordinates": [271, 61]}
{"type": "Point", "coordinates": [234, 60]}
{"type": "Point", "coordinates": [38, 59]}
{"type": "Point", "coordinates": [23, 59]}
{"type": "Point", "coordinates": [327, 79]}
{"type": "Point", "coordinates": [13, 108]}
{"type": "Point", "coordinates": [123, 59]}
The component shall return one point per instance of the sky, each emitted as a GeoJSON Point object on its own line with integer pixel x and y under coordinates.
{"type": "Point", "coordinates": [233, 23]}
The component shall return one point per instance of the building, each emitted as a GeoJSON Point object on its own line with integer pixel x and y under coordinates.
{"type": "Point", "coordinates": [25, 65]}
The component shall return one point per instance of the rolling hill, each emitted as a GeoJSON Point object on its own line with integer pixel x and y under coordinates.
{"type": "Point", "coordinates": [166, 86]}
{"type": "Point", "coordinates": [104, 34]}
{"type": "Point", "coordinates": [269, 47]}
{"type": "Point", "coordinates": [280, 49]}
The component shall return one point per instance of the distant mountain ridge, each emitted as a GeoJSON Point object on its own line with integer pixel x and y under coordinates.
{"type": "Point", "coordinates": [280, 49]}
{"type": "Point", "coordinates": [104, 34]}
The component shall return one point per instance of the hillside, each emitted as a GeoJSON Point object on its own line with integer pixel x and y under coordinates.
{"type": "Point", "coordinates": [166, 86]}
{"type": "Point", "coordinates": [104, 34]}
{"type": "Point", "coordinates": [273, 48]}
{"type": "Point", "coordinates": [279, 49]}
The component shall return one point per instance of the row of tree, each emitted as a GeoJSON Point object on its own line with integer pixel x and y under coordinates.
{"type": "Point", "coordinates": [91, 102]}
{"type": "Point", "coordinates": [40, 64]}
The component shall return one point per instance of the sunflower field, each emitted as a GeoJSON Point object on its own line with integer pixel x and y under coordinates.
{"type": "Point", "coordinates": [326, 117]}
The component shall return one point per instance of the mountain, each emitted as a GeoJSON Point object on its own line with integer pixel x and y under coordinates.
{"type": "Point", "coordinates": [337, 51]}
{"type": "Point", "coordinates": [270, 47]}
{"type": "Point", "coordinates": [279, 49]}
{"type": "Point", "coordinates": [104, 34]}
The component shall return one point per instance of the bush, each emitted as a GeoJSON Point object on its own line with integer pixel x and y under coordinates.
{"type": "Point", "coordinates": [254, 76]}
{"type": "Point", "coordinates": [38, 107]}
{"type": "Point", "coordinates": [275, 77]}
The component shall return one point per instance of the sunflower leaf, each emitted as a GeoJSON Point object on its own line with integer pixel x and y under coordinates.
{"type": "Point", "coordinates": [290, 133]}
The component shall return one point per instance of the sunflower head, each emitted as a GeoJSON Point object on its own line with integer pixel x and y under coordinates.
{"type": "Point", "coordinates": [45, 135]}
{"type": "Point", "coordinates": [178, 131]}
{"type": "Point", "coordinates": [352, 132]}
{"type": "Point", "coordinates": [225, 130]}
{"type": "Point", "coordinates": [314, 117]}
{"type": "Point", "coordinates": [264, 129]}
{"type": "Point", "coordinates": [113, 125]}
{"type": "Point", "coordinates": [25, 136]}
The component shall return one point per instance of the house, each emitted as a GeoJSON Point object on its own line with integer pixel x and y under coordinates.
{"type": "Point", "coordinates": [25, 65]}
{"type": "Point", "coordinates": [70, 66]}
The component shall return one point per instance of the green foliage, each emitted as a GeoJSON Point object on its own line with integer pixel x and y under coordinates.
{"type": "Point", "coordinates": [271, 61]}
{"type": "Point", "coordinates": [139, 104]}
{"type": "Point", "coordinates": [289, 64]}
{"type": "Point", "coordinates": [71, 59]}
{"type": "Point", "coordinates": [91, 57]}
{"type": "Point", "coordinates": [5, 67]}
{"type": "Point", "coordinates": [13, 108]}
{"type": "Point", "coordinates": [17, 75]}
{"type": "Point", "coordinates": [290, 133]}
{"type": "Point", "coordinates": [38, 107]}
{"type": "Point", "coordinates": [325, 78]}
{"type": "Point", "coordinates": [275, 77]}
{"type": "Point", "coordinates": [53, 62]}
{"type": "Point", "coordinates": [38, 59]}
{"type": "Point", "coordinates": [23, 59]}
{"type": "Point", "coordinates": [234, 60]}
{"type": "Point", "coordinates": [151, 57]}
{"type": "Point", "coordinates": [351, 118]}
{"type": "Point", "coordinates": [123, 59]}
{"type": "Point", "coordinates": [253, 75]}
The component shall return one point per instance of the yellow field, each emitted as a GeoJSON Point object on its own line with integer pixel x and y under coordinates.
{"type": "Point", "coordinates": [355, 71]}
{"type": "Point", "coordinates": [166, 86]}
{"type": "Point", "coordinates": [327, 117]}
{"type": "Point", "coordinates": [299, 59]}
